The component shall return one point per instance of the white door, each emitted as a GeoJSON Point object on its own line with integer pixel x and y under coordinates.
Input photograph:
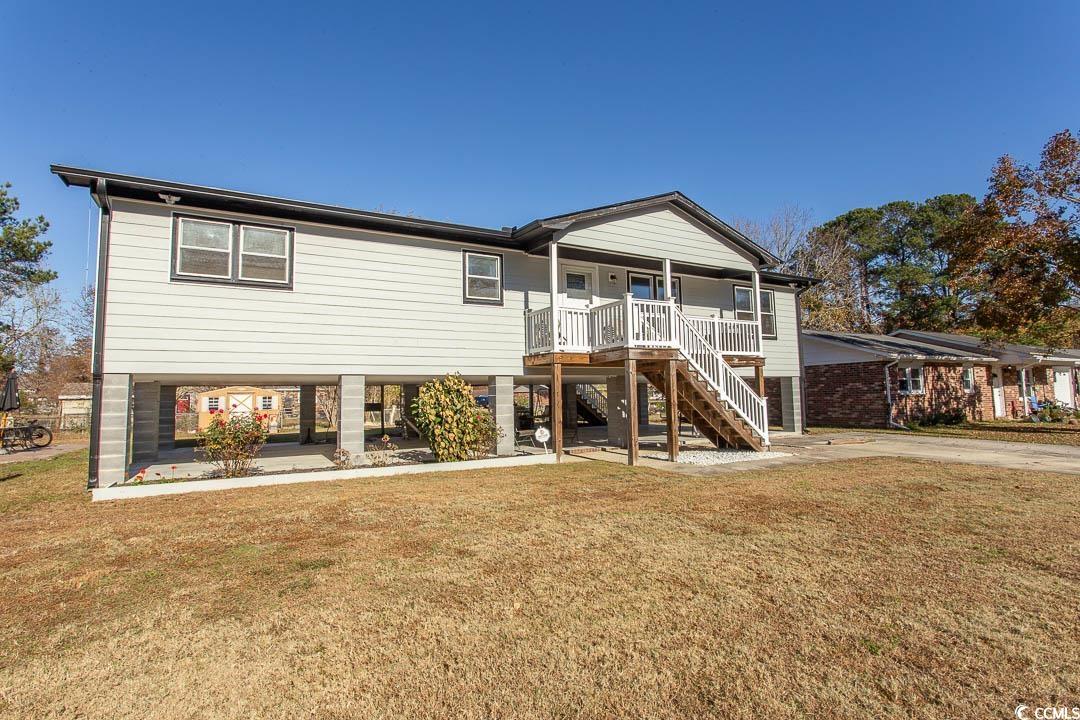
{"type": "Point", "coordinates": [1063, 386]}
{"type": "Point", "coordinates": [578, 286]}
{"type": "Point", "coordinates": [998, 392]}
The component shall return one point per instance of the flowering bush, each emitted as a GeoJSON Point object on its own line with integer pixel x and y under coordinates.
{"type": "Point", "coordinates": [455, 427]}
{"type": "Point", "coordinates": [231, 442]}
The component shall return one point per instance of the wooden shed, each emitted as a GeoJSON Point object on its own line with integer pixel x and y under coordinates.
{"type": "Point", "coordinates": [242, 400]}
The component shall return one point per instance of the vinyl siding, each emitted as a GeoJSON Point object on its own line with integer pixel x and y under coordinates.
{"type": "Point", "coordinates": [361, 303]}
{"type": "Point", "coordinates": [657, 233]}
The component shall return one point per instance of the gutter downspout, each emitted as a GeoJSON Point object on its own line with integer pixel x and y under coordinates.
{"type": "Point", "coordinates": [888, 399]}
{"type": "Point", "coordinates": [100, 193]}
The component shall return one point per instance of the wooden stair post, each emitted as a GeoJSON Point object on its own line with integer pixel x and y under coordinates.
{"type": "Point", "coordinates": [631, 413]}
{"type": "Point", "coordinates": [556, 410]}
{"type": "Point", "coordinates": [671, 388]}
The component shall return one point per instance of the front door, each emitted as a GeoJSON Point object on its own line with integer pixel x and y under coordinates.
{"type": "Point", "coordinates": [1063, 386]}
{"type": "Point", "coordinates": [578, 286]}
{"type": "Point", "coordinates": [998, 390]}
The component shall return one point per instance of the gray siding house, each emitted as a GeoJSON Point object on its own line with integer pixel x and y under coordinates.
{"type": "Point", "coordinates": [203, 286]}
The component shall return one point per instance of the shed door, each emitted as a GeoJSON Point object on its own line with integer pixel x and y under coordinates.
{"type": "Point", "coordinates": [240, 404]}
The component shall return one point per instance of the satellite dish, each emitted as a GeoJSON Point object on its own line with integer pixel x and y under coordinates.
{"type": "Point", "coordinates": [542, 434]}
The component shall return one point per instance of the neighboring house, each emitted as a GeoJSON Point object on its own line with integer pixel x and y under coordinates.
{"type": "Point", "coordinates": [866, 380]}
{"type": "Point", "coordinates": [240, 400]}
{"type": "Point", "coordinates": [73, 407]}
{"type": "Point", "coordinates": [202, 286]}
{"type": "Point", "coordinates": [1019, 370]}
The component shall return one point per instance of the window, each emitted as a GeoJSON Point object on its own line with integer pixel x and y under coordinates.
{"type": "Point", "coordinates": [641, 286]}
{"type": "Point", "coordinates": [264, 254]}
{"type": "Point", "coordinates": [579, 284]}
{"type": "Point", "coordinates": [911, 381]}
{"type": "Point", "coordinates": [204, 249]}
{"type": "Point", "coordinates": [644, 286]}
{"type": "Point", "coordinates": [211, 250]}
{"type": "Point", "coordinates": [768, 314]}
{"type": "Point", "coordinates": [744, 309]}
{"type": "Point", "coordinates": [676, 289]}
{"type": "Point", "coordinates": [483, 278]}
{"type": "Point", "coordinates": [744, 303]}
{"type": "Point", "coordinates": [266, 402]}
{"type": "Point", "coordinates": [968, 380]}
{"type": "Point", "coordinates": [213, 404]}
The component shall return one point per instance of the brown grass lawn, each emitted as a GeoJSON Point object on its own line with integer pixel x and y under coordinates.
{"type": "Point", "coordinates": [873, 588]}
{"type": "Point", "coordinates": [1007, 430]}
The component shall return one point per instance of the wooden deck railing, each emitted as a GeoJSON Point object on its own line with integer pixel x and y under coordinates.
{"type": "Point", "coordinates": [629, 322]}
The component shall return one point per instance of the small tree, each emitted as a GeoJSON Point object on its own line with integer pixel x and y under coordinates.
{"type": "Point", "coordinates": [456, 428]}
{"type": "Point", "coordinates": [231, 443]}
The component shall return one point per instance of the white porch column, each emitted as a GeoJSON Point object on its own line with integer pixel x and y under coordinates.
{"type": "Point", "coordinates": [350, 433]}
{"type": "Point", "coordinates": [756, 281]}
{"type": "Point", "coordinates": [113, 433]}
{"type": "Point", "coordinates": [667, 279]}
{"type": "Point", "coordinates": [146, 419]}
{"type": "Point", "coordinates": [553, 284]}
{"type": "Point", "coordinates": [501, 400]}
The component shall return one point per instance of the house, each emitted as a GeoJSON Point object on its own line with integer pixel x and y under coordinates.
{"type": "Point", "coordinates": [73, 407]}
{"type": "Point", "coordinates": [868, 380]}
{"type": "Point", "coordinates": [204, 286]}
{"type": "Point", "coordinates": [240, 400]}
{"type": "Point", "coordinates": [1020, 370]}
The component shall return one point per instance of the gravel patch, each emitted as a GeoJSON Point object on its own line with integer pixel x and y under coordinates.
{"type": "Point", "coordinates": [722, 457]}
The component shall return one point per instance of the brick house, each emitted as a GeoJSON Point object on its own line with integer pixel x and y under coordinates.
{"type": "Point", "coordinates": [1022, 370]}
{"type": "Point", "coordinates": [863, 380]}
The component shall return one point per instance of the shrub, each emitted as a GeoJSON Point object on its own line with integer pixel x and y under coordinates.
{"type": "Point", "coordinates": [1053, 412]}
{"type": "Point", "coordinates": [231, 443]}
{"type": "Point", "coordinates": [455, 427]}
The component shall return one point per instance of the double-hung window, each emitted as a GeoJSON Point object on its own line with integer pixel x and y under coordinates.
{"type": "Point", "coordinates": [911, 381]}
{"type": "Point", "coordinates": [222, 251]}
{"type": "Point", "coordinates": [744, 309]}
{"type": "Point", "coordinates": [968, 380]}
{"type": "Point", "coordinates": [482, 275]}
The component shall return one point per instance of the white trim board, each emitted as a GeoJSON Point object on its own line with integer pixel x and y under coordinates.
{"type": "Point", "coordinates": [131, 492]}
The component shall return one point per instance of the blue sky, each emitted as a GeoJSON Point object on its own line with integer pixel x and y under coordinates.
{"type": "Point", "coordinates": [494, 114]}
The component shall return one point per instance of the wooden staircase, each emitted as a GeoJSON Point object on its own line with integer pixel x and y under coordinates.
{"type": "Point", "coordinates": [591, 404]}
{"type": "Point", "coordinates": [703, 408]}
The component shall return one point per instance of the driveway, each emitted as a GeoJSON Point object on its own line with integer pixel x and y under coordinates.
{"type": "Point", "coordinates": [1017, 456]}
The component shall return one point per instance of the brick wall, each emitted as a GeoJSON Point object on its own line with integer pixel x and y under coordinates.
{"type": "Point", "coordinates": [773, 402]}
{"type": "Point", "coordinates": [1042, 380]}
{"type": "Point", "coordinates": [849, 394]}
{"type": "Point", "coordinates": [944, 392]}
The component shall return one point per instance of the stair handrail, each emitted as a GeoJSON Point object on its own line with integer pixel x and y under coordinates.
{"type": "Point", "coordinates": [710, 364]}
{"type": "Point", "coordinates": [594, 396]}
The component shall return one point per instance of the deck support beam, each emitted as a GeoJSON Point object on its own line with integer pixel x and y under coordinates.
{"type": "Point", "coordinates": [631, 412]}
{"type": "Point", "coordinates": [556, 413]}
{"type": "Point", "coordinates": [759, 378]}
{"type": "Point", "coordinates": [671, 392]}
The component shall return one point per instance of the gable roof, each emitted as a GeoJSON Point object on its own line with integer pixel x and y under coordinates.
{"type": "Point", "coordinates": [527, 237]}
{"type": "Point", "coordinates": [1004, 352]}
{"type": "Point", "coordinates": [897, 348]}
